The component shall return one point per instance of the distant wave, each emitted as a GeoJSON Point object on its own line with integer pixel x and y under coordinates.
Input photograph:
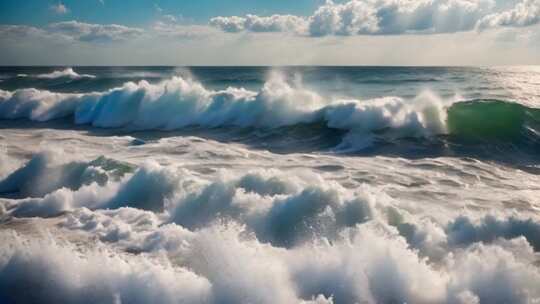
{"type": "Point", "coordinates": [65, 73]}
{"type": "Point", "coordinates": [181, 102]}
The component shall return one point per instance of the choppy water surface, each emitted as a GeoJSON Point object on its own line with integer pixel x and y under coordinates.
{"type": "Point", "coordinates": [269, 185]}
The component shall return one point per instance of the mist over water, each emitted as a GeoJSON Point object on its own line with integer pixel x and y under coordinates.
{"type": "Point", "coordinates": [269, 185]}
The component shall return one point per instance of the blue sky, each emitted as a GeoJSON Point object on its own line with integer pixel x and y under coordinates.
{"type": "Point", "coordinates": [140, 12]}
{"type": "Point", "coordinates": [264, 32]}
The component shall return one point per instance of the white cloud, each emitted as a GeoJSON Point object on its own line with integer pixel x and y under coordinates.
{"type": "Point", "coordinates": [524, 13]}
{"type": "Point", "coordinates": [231, 24]}
{"type": "Point", "coordinates": [390, 17]}
{"type": "Point", "coordinates": [59, 8]}
{"type": "Point", "coordinates": [166, 42]}
{"type": "Point", "coordinates": [95, 32]}
{"type": "Point", "coordinates": [19, 31]}
{"type": "Point", "coordinates": [71, 30]}
{"type": "Point", "coordinates": [253, 23]}
{"type": "Point", "coordinates": [25, 33]}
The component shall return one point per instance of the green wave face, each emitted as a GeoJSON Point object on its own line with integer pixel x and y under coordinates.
{"type": "Point", "coordinates": [493, 120]}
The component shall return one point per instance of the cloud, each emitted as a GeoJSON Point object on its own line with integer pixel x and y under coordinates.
{"type": "Point", "coordinates": [72, 30]}
{"type": "Point", "coordinates": [95, 32]}
{"type": "Point", "coordinates": [171, 26]}
{"type": "Point", "coordinates": [24, 34]}
{"type": "Point", "coordinates": [165, 42]}
{"type": "Point", "coordinates": [390, 17]}
{"type": "Point", "coordinates": [523, 14]}
{"type": "Point", "coordinates": [183, 31]}
{"type": "Point", "coordinates": [19, 31]}
{"type": "Point", "coordinates": [253, 23]}
{"type": "Point", "coordinates": [229, 24]}
{"type": "Point", "coordinates": [69, 31]}
{"type": "Point", "coordinates": [397, 17]}
{"type": "Point", "coordinates": [59, 8]}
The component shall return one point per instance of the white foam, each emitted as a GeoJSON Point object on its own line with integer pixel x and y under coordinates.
{"type": "Point", "coordinates": [39, 105]}
{"type": "Point", "coordinates": [65, 73]}
{"type": "Point", "coordinates": [368, 263]}
{"type": "Point", "coordinates": [261, 236]}
{"type": "Point", "coordinates": [97, 275]}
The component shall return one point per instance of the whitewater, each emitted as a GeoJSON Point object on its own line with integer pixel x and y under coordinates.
{"type": "Point", "coordinates": [269, 185]}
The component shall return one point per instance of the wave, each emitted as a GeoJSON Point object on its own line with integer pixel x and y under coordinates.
{"type": "Point", "coordinates": [183, 102]}
{"type": "Point", "coordinates": [282, 208]}
{"type": "Point", "coordinates": [65, 73]}
{"type": "Point", "coordinates": [493, 119]}
{"type": "Point", "coordinates": [45, 173]}
{"type": "Point", "coordinates": [103, 275]}
{"type": "Point", "coordinates": [260, 236]}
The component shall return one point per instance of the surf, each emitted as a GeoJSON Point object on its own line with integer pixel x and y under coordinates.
{"type": "Point", "coordinates": [283, 108]}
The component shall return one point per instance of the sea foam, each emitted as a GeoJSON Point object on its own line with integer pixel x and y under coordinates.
{"type": "Point", "coordinates": [260, 236]}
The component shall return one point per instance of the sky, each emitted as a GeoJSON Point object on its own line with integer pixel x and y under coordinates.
{"type": "Point", "coordinates": [270, 32]}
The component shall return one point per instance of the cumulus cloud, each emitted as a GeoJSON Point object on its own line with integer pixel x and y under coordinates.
{"type": "Point", "coordinates": [253, 23]}
{"type": "Point", "coordinates": [523, 14]}
{"type": "Point", "coordinates": [59, 8]}
{"type": "Point", "coordinates": [389, 17]}
{"type": "Point", "coordinates": [95, 32]}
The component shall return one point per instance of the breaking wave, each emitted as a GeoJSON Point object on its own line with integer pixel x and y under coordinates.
{"type": "Point", "coordinates": [65, 73]}
{"type": "Point", "coordinates": [263, 236]}
{"type": "Point", "coordinates": [182, 102]}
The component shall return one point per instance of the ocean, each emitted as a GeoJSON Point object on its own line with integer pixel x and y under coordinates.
{"type": "Point", "coordinates": [270, 184]}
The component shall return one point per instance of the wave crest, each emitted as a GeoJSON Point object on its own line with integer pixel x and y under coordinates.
{"type": "Point", "coordinates": [65, 73]}
{"type": "Point", "coordinates": [183, 102]}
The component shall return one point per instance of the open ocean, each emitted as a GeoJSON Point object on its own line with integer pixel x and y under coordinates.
{"type": "Point", "coordinates": [270, 185]}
